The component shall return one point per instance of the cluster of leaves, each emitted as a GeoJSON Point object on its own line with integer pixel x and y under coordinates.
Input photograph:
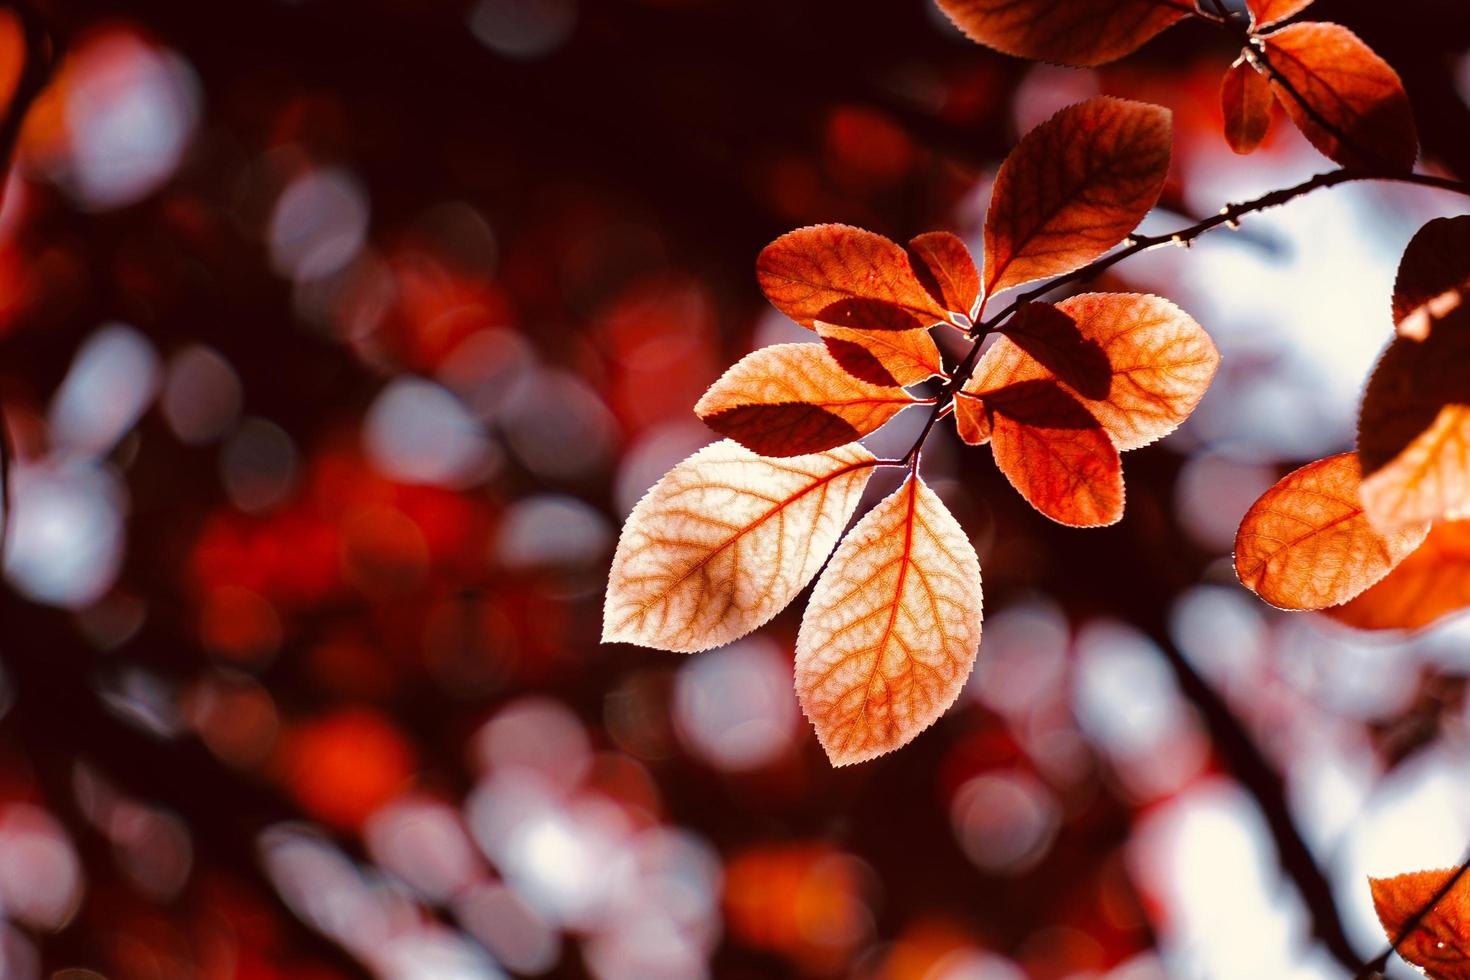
{"type": "Point", "coordinates": [1378, 537]}
{"type": "Point", "coordinates": [729, 537]}
{"type": "Point", "coordinates": [1344, 98]}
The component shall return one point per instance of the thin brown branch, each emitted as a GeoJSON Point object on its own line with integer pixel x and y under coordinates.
{"type": "Point", "coordinates": [1228, 215]}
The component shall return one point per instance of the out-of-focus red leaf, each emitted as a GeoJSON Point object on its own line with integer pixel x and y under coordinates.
{"type": "Point", "coordinates": [892, 628]}
{"type": "Point", "coordinates": [800, 900]}
{"type": "Point", "coordinates": [883, 357]}
{"type": "Point", "coordinates": [1433, 582]}
{"type": "Point", "coordinates": [1068, 32]}
{"type": "Point", "coordinates": [847, 277]}
{"type": "Point", "coordinates": [1245, 99]}
{"type": "Point", "coordinates": [343, 766]}
{"type": "Point", "coordinates": [947, 270]}
{"type": "Point", "coordinates": [866, 148]}
{"type": "Point", "coordinates": [1440, 943]}
{"type": "Point", "coordinates": [1355, 92]}
{"type": "Point", "coordinates": [1074, 187]}
{"type": "Point", "coordinates": [1414, 427]}
{"type": "Point", "coordinates": [794, 399]}
{"type": "Point", "coordinates": [1434, 276]}
{"type": "Point", "coordinates": [1306, 544]}
{"type": "Point", "coordinates": [1137, 363]}
{"type": "Point", "coordinates": [1056, 454]}
{"type": "Point", "coordinates": [1264, 13]}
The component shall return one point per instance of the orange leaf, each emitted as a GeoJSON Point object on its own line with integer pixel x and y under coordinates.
{"type": "Point", "coordinates": [1245, 99]}
{"type": "Point", "coordinates": [1347, 86]}
{"type": "Point", "coordinates": [892, 628]}
{"type": "Point", "coordinates": [1068, 32]}
{"type": "Point", "coordinates": [793, 399]}
{"type": "Point", "coordinates": [1264, 13]}
{"type": "Point", "coordinates": [1414, 427]}
{"type": "Point", "coordinates": [1434, 276]}
{"type": "Point", "coordinates": [947, 270]}
{"type": "Point", "coordinates": [847, 277]}
{"type": "Point", "coordinates": [1306, 543]}
{"type": "Point", "coordinates": [724, 541]}
{"type": "Point", "coordinates": [1074, 187]}
{"type": "Point", "coordinates": [971, 419]}
{"type": "Point", "coordinates": [1137, 363]}
{"type": "Point", "coordinates": [1056, 454]}
{"type": "Point", "coordinates": [883, 357]}
{"type": "Point", "coordinates": [1440, 943]}
{"type": "Point", "coordinates": [1433, 582]}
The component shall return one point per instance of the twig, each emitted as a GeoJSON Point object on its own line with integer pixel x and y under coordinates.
{"type": "Point", "coordinates": [1228, 215]}
{"type": "Point", "coordinates": [1379, 963]}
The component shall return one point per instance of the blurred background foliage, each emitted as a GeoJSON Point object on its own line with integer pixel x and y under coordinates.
{"type": "Point", "coordinates": [337, 338]}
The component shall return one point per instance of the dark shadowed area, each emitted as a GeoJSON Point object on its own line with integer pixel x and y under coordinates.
{"type": "Point", "coordinates": [337, 339]}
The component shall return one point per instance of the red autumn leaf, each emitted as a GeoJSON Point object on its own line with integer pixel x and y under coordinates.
{"type": "Point", "coordinates": [947, 270]}
{"type": "Point", "coordinates": [1306, 544]}
{"type": "Point", "coordinates": [1074, 187]}
{"type": "Point", "coordinates": [847, 277]}
{"type": "Point", "coordinates": [1068, 32]}
{"type": "Point", "coordinates": [1414, 427]}
{"type": "Point", "coordinates": [1434, 276]}
{"type": "Point", "coordinates": [1264, 13]}
{"type": "Point", "coordinates": [971, 419]}
{"type": "Point", "coordinates": [1440, 943]}
{"type": "Point", "coordinates": [1245, 99]}
{"type": "Point", "coordinates": [724, 541]}
{"type": "Point", "coordinates": [1359, 114]}
{"type": "Point", "coordinates": [1137, 363]}
{"type": "Point", "coordinates": [883, 357]}
{"type": "Point", "coordinates": [892, 628]}
{"type": "Point", "coordinates": [343, 766]}
{"type": "Point", "coordinates": [1056, 454]}
{"type": "Point", "coordinates": [793, 399]}
{"type": "Point", "coordinates": [1433, 582]}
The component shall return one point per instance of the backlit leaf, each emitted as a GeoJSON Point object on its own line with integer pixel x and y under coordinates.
{"type": "Point", "coordinates": [1137, 363]}
{"type": "Point", "coordinates": [793, 399]}
{"type": "Point", "coordinates": [1414, 427]}
{"type": "Point", "coordinates": [892, 628]}
{"type": "Point", "coordinates": [1431, 583]}
{"type": "Point", "coordinates": [1434, 276]}
{"type": "Point", "coordinates": [1245, 100]}
{"type": "Point", "coordinates": [847, 277]}
{"type": "Point", "coordinates": [971, 419]}
{"type": "Point", "coordinates": [724, 541]}
{"type": "Point", "coordinates": [1305, 544]}
{"type": "Point", "coordinates": [1264, 13]}
{"type": "Point", "coordinates": [1056, 454]}
{"type": "Point", "coordinates": [947, 270]}
{"type": "Point", "coordinates": [1068, 32]}
{"type": "Point", "coordinates": [1348, 86]}
{"type": "Point", "coordinates": [1440, 943]}
{"type": "Point", "coordinates": [1074, 187]}
{"type": "Point", "coordinates": [883, 357]}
